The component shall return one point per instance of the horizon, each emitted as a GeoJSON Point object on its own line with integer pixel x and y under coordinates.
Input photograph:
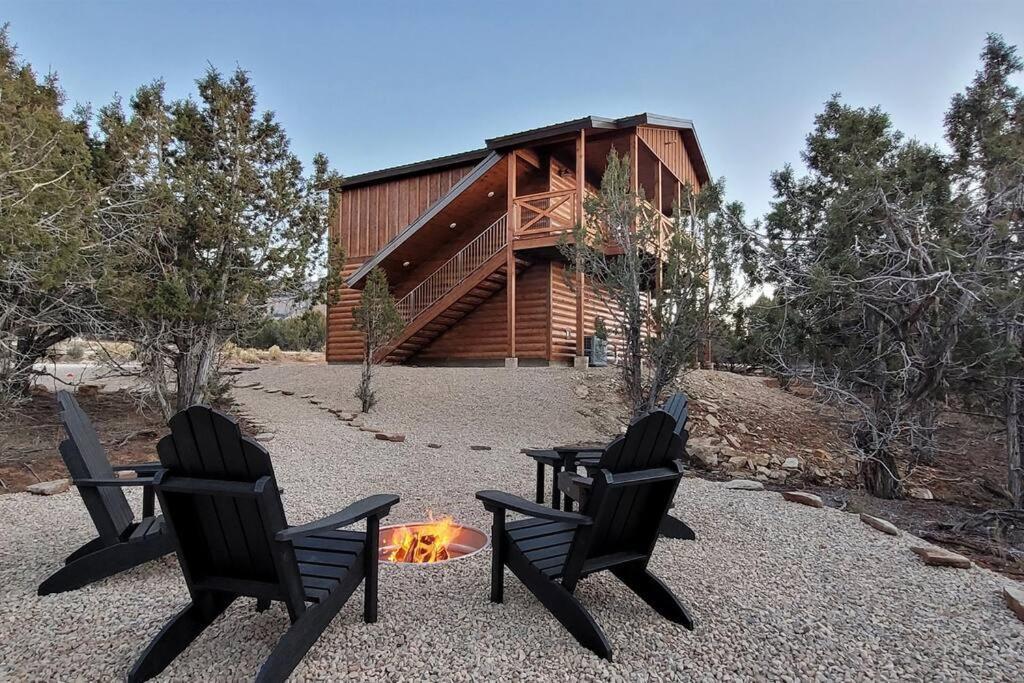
{"type": "Point", "coordinates": [751, 107]}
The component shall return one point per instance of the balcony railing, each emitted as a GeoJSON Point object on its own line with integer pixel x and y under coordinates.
{"type": "Point", "coordinates": [455, 270]}
{"type": "Point", "coordinates": [552, 211]}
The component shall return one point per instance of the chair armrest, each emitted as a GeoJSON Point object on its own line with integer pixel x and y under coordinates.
{"type": "Point", "coordinates": [576, 486]}
{"type": "Point", "coordinates": [96, 483]}
{"type": "Point", "coordinates": [545, 456]}
{"type": "Point", "coordinates": [373, 506]}
{"type": "Point", "coordinates": [495, 501]}
{"type": "Point", "coordinates": [139, 468]}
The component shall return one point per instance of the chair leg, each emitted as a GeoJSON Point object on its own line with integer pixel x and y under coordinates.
{"type": "Point", "coordinates": [562, 604]}
{"type": "Point", "coordinates": [655, 593]}
{"type": "Point", "coordinates": [105, 562]}
{"type": "Point", "coordinates": [90, 547]}
{"type": "Point", "coordinates": [498, 557]}
{"type": "Point", "coordinates": [673, 527]}
{"type": "Point", "coordinates": [301, 635]}
{"type": "Point", "coordinates": [371, 561]}
{"type": "Point", "coordinates": [540, 483]}
{"type": "Point", "coordinates": [177, 634]}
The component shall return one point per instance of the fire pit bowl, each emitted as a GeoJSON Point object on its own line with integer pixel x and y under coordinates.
{"type": "Point", "coordinates": [430, 542]}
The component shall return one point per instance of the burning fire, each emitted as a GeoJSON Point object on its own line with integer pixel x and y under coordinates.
{"type": "Point", "coordinates": [423, 542]}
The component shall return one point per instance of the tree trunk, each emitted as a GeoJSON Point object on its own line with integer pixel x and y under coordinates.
{"type": "Point", "coordinates": [1014, 439]}
{"type": "Point", "coordinates": [924, 443]}
{"type": "Point", "coordinates": [193, 371]}
{"type": "Point", "coordinates": [878, 470]}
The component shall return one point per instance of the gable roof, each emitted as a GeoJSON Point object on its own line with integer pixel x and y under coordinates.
{"type": "Point", "coordinates": [488, 156]}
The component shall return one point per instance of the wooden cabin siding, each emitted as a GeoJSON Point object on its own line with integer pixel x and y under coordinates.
{"type": "Point", "coordinates": [371, 215]}
{"type": "Point", "coordinates": [482, 335]}
{"type": "Point", "coordinates": [563, 316]}
{"type": "Point", "coordinates": [667, 145]}
{"type": "Point", "coordinates": [344, 343]}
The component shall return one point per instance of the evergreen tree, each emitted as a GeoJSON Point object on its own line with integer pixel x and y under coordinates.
{"type": "Point", "coordinates": [49, 254]}
{"type": "Point", "coordinates": [662, 283]}
{"type": "Point", "coordinates": [222, 217]}
{"type": "Point", "coordinates": [378, 319]}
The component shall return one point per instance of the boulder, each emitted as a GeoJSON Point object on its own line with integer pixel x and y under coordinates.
{"type": "Point", "coordinates": [397, 438]}
{"type": "Point", "coordinates": [1014, 598]}
{"type": "Point", "coordinates": [791, 464]}
{"type": "Point", "coordinates": [940, 557]}
{"type": "Point", "coordinates": [744, 485]}
{"type": "Point", "coordinates": [920, 492]}
{"type": "Point", "coordinates": [703, 451]}
{"type": "Point", "coordinates": [49, 488]}
{"type": "Point", "coordinates": [882, 525]}
{"type": "Point", "coordinates": [778, 475]}
{"type": "Point", "coordinates": [803, 498]}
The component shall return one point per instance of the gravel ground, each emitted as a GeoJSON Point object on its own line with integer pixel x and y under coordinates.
{"type": "Point", "coordinates": [780, 591]}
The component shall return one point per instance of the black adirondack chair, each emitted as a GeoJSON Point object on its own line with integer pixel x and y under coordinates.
{"type": "Point", "coordinates": [616, 529]}
{"type": "Point", "coordinates": [122, 542]}
{"type": "Point", "coordinates": [222, 503]}
{"type": "Point", "coordinates": [566, 481]}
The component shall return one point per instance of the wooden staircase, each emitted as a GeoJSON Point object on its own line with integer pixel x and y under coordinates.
{"type": "Point", "coordinates": [462, 301]}
{"type": "Point", "coordinates": [456, 288]}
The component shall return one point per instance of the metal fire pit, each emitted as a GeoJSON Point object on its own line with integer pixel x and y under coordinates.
{"type": "Point", "coordinates": [468, 542]}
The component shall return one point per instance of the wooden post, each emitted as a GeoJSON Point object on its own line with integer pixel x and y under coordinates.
{"type": "Point", "coordinates": [581, 159]}
{"type": "Point", "coordinates": [661, 229]}
{"type": "Point", "coordinates": [510, 259]}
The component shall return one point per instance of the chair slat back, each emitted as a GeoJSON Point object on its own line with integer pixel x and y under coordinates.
{"type": "Point", "coordinates": [85, 458]}
{"type": "Point", "coordinates": [221, 535]}
{"type": "Point", "coordinates": [637, 479]}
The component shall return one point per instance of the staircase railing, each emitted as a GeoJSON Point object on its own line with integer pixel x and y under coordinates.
{"type": "Point", "coordinates": [455, 270]}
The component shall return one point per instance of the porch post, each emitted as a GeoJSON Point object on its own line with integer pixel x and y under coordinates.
{"type": "Point", "coordinates": [581, 144]}
{"type": "Point", "coordinates": [510, 264]}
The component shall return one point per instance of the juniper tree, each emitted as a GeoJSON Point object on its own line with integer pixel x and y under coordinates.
{"type": "Point", "coordinates": [222, 216]}
{"type": "Point", "coordinates": [985, 129]}
{"type": "Point", "coordinates": [378, 319]}
{"type": "Point", "coordinates": [49, 255]}
{"type": "Point", "coordinates": [661, 286]}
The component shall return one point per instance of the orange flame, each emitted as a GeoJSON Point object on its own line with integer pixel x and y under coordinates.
{"type": "Point", "coordinates": [423, 543]}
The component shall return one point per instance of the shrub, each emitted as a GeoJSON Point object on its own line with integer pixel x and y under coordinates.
{"type": "Point", "coordinates": [75, 351]}
{"type": "Point", "coordinates": [307, 331]}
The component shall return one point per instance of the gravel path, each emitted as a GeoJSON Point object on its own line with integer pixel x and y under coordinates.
{"type": "Point", "coordinates": [781, 591]}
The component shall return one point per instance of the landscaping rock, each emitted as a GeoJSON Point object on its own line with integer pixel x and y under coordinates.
{"type": "Point", "coordinates": [791, 463]}
{"type": "Point", "coordinates": [265, 438]}
{"type": "Point", "coordinates": [920, 492]}
{"type": "Point", "coordinates": [368, 428]}
{"type": "Point", "coordinates": [1014, 598]}
{"type": "Point", "coordinates": [778, 475]}
{"type": "Point", "coordinates": [940, 557]}
{"type": "Point", "coordinates": [712, 421]}
{"type": "Point", "coordinates": [397, 438]}
{"type": "Point", "coordinates": [803, 498]}
{"type": "Point", "coordinates": [307, 396]}
{"type": "Point", "coordinates": [287, 392]}
{"type": "Point", "coordinates": [270, 390]}
{"type": "Point", "coordinates": [703, 451]}
{"type": "Point", "coordinates": [581, 391]}
{"type": "Point", "coordinates": [479, 448]}
{"type": "Point", "coordinates": [49, 488]}
{"type": "Point", "coordinates": [744, 485]}
{"type": "Point", "coordinates": [433, 445]}
{"type": "Point", "coordinates": [732, 440]}
{"type": "Point", "coordinates": [742, 428]}
{"type": "Point", "coordinates": [88, 389]}
{"type": "Point", "coordinates": [882, 525]}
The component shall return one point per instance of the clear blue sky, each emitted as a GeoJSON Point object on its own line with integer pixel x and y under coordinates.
{"type": "Point", "coordinates": [374, 84]}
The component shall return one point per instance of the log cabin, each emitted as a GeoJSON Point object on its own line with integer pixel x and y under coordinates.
{"type": "Point", "coordinates": [469, 241]}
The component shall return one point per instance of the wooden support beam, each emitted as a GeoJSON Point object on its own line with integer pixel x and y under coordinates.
{"type": "Point", "coordinates": [510, 257]}
{"type": "Point", "coordinates": [581, 166]}
{"type": "Point", "coordinates": [661, 228]}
